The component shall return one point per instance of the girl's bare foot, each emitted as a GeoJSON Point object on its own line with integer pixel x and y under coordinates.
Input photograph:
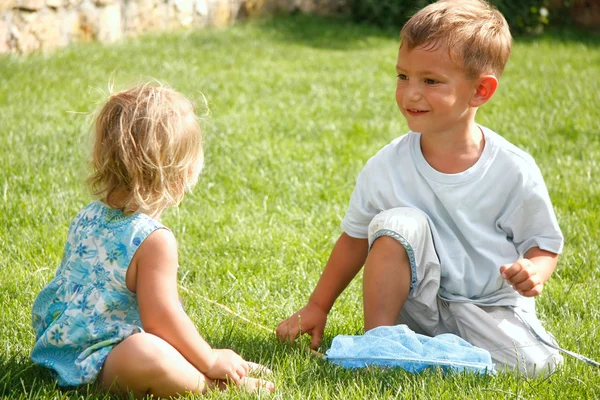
{"type": "Point", "coordinates": [253, 384]}
{"type": "Point", "coordinates": [258, 369]}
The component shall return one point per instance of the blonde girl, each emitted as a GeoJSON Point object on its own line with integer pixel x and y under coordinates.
{"type": "Point", "coordinates": [112, 312]}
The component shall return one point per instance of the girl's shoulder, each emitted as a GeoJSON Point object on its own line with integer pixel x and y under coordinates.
{"type": "Point", "coordinates": [98, 220]}
{"type": "Point", "coordinates": [100, 213]}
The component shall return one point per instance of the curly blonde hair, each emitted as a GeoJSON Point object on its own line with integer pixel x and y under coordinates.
{"type": "Point", "coordinates": [147, 149]}
{"type": "Point", "coordinates": [474, 32]}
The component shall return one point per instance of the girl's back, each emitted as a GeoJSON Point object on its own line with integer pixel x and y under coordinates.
{"type": "Point", "coordinates": [87, 306]}
{"type": "Point", "coordinates": [112, 314]}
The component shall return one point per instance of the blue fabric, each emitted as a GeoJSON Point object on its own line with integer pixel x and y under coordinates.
{"type": "Point", "coordinates": [87, 309]}
{"type": "Point", "coordinates": [398, 346]}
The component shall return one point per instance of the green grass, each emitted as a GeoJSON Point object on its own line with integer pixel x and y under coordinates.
{"type": "Point", "coordinates": [299, 104]}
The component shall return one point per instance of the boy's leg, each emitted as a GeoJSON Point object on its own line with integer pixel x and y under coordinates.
{"type": "Point", "coordinates": [402, 272]}
{"type": "Point", "coordinates": [386, 282]}
{"type": "Point", "coordinates": [502, 332]}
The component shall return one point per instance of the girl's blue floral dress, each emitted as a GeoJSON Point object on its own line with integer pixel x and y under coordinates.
{"type": "Point", "coordinates": [87, 309]}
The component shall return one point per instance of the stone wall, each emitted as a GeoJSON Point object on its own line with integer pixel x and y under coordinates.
{"type": "Point", "coordinates": [586, 13]}
{"type": "Point", "coordinates": [582, 13]}
{"type": "Point", "coordinates": [42, 25]}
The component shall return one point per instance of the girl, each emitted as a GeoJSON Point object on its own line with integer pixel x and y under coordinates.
{"type": "Point", "coordinates": [112, 312]}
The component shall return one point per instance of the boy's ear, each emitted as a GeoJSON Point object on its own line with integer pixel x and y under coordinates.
{"type": "Point", "coordinates": [485, 87]}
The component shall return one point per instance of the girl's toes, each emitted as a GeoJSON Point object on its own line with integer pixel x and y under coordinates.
{"type": "Point", "coordinates": [252, 384]}
{"type": "Point", "coordinates": [258, 369]}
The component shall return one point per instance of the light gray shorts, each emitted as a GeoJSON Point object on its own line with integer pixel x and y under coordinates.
{"type": "Point", "coordinates": [511, 334]}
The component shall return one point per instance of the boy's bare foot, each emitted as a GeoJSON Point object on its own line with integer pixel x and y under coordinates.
{"type": "Point", "coordinates": [253, 384]}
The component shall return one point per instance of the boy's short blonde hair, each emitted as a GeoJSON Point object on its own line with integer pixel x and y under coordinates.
{"type": "Point", "coordinates": [147, 149]}
{"type": "Point", "coordinates": [475, 33]}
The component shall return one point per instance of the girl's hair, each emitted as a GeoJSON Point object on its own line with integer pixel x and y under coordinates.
{"type": "Point", "coordinates": [474, 32]}
{"type": "Point", "coordinates": [147, 149]}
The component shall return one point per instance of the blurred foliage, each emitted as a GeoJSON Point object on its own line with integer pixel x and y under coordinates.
{"type": "Point", "coordinates": [523, 16]}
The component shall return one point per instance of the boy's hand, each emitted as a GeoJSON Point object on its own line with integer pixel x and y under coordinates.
{"type": "Point", "coordinates": [228, 365]}
{"type": "Point", "coordinates": [309, 319]}
{"type": "Point", "coordinates": [523, 276]}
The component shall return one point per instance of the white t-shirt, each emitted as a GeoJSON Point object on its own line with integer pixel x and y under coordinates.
{"type": "Point", "coordinates": [481, 218]}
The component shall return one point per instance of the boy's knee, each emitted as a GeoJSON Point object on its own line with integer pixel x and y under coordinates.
{"type": "Point", "coordinates": [511, 335]}
{"type": "Point", "coordinates": [539, 368]}
{"type": "Point", "coordinates": [386, 243]}
{"type": "Point", "coordinates": [534, 364]}
{"type": "Point", "coordinates": [402, 220]}
{"type": "Point", "coordinates": [409, 215]}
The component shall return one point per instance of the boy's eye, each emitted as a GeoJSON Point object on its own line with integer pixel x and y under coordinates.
{"type": "Point", "coordinates": [402, 77]}
{"type": "Point", "coordinates": [430, 81]}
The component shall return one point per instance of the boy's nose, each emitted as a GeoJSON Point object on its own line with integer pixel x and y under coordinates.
{"type": "Point", "coordinates": [412, 93]}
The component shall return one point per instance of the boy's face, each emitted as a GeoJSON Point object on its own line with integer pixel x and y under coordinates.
{"type": "Point", "coordinates": [433, 92]}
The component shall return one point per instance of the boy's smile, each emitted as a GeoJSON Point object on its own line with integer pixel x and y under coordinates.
{"type": "Point", "coordinates": [415, 112]}
{"type": "Point", "coordinates": [433, 92]}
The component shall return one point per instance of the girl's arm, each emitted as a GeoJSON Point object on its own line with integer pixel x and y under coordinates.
{"type": "Point", "coordinates": [155, 267]}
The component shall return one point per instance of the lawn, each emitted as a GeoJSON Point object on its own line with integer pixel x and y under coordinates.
{"type": "Point", "coordinates": [298, 106]}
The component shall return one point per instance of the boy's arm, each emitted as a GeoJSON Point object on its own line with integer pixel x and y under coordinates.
{"type": "Point", "coordinates": [347, 258]}
{"type": "Point", "coordinates": [528, 275]}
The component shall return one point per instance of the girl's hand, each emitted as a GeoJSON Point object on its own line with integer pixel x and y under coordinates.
{"type": "Point", "coordinates": [523, 276]}
{"type": "Point", "coordinates": [228, 365]}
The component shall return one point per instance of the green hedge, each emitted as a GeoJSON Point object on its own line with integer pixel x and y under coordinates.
{"type": "Point", "coordinates": [522, 15]}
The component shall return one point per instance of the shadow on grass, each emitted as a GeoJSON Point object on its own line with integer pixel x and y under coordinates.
{"type": "Point", "coordinates": [341, 33]}
{"type": "Point", "coordinates": [334, 33]}
{"type": "Point", "coordinates": [564, 35]}
{"type": "Point", "coordinates": [21, 378]}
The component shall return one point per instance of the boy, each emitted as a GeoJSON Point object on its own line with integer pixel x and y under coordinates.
{"type": "Point", "coordinates": [453, 224]}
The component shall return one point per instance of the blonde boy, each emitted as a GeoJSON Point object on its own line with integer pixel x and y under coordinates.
{"type": "Point", "coordinates": [453, 224]}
